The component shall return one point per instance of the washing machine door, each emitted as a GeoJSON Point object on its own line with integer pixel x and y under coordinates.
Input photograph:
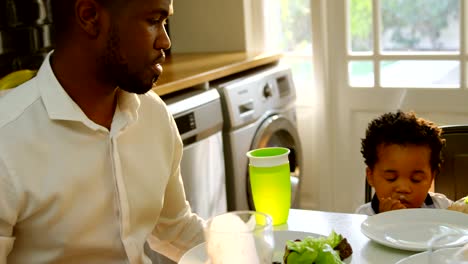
{"type": "Point", "coordinates": [278, 131]}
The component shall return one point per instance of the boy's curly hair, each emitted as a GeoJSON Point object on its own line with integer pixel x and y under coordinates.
{"type": "Point", "coordinates": [402, 128]}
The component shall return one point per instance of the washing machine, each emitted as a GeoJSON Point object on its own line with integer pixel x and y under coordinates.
{"type": "Point", "coordinates": [258, 111]}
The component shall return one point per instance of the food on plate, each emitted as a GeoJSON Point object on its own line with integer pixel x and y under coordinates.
{"type": "Point", "coordinates": [460, 205]}
{"type": "Point", "coordinates": [344, 249]}
{"type": "Point", "coordinates": [317, 250]}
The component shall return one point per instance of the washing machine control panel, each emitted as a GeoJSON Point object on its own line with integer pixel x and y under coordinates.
{"type": "Point", "coordinates": [267, 91]}
{"type": "Point", "coordinates": [186, 123]}
{"type": "Point", "coordinates": [251, 96]}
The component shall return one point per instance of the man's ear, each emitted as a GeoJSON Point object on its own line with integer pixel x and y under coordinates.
{"type": "Point", "coordinates": [369, 176]}
{"type": "Point", "coordinates": [87, 15]}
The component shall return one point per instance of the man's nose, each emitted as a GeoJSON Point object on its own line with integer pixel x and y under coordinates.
{"type": "Point", "coordinates": [162, 41]}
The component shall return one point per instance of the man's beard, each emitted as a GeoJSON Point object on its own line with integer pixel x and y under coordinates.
{"type": "Point", "coordinates": [116, 70]}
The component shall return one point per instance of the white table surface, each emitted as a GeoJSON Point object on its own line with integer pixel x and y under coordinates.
{"type": "Point", "coordinates": [322, 223]}
{"type": "Point", "coordinates": [348, 225]}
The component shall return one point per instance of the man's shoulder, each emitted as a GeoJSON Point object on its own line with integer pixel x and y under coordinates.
{"type": "Point", "coordinates": [151, 96]}
{"type": "Point", "coordinates": [151, 100]}
{"type": "Point", "coordinates": [15, 102]}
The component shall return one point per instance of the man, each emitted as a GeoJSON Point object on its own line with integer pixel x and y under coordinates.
{"type": "Point", "coordinates": [89, 156]}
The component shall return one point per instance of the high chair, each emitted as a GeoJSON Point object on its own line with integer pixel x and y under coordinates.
{"type": "Point", "coordinates": [453, 177]}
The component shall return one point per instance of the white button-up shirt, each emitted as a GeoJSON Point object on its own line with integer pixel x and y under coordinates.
{"type": "Point", "coordinates": [71, 191]}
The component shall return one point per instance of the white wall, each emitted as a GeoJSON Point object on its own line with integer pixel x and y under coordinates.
{"type": "Point", "coordinates": [216, 26]}
{"type": "Point", "coordinates": [310, 194]}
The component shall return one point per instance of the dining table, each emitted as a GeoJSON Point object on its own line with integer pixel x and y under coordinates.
{"type": "Point", "coordinates": [397, 236]}
{"type": "Point", "coordinates": [348, 225]}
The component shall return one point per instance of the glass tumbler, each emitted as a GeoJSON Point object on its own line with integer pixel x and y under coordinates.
{"type": "Point", "coordinates": [239, 237]}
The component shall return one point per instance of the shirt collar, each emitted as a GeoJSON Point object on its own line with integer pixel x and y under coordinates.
{"type": "Point", "coordinates": [128, 103]}
{"type": "Point", "coordinates": [60, 106]}
{"type": "Point", "coordinates": [376, 204]}
{"type": "Point", "coordinates": [126, 112]}
{"type": "Point", "coordinates": [57, 102]}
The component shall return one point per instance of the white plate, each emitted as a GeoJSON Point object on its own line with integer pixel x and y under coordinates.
{"type": "Point", "coordinates": [441, 256]}
{"type": "Point", "coordinates": [197, 254]}
{"type": "Point", "coordinates": [411, 229]}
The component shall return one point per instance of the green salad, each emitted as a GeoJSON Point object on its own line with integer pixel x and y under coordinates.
{"type": "Point", "coordinates": [319, 250]}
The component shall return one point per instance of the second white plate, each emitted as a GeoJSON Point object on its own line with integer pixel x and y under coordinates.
{"type": "Point", "coordinates": [411, 229]}
{"type": "Point", "coordinates": [441, 256]}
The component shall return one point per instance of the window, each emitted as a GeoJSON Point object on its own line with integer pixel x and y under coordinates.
{"type": "Point", "coordinates": [288, 30]}
{"type": "Point", "coordinates": [405, 43]}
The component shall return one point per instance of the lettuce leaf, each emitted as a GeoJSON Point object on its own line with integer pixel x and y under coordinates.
{"type": "Point", "coordinates": [317, 250]}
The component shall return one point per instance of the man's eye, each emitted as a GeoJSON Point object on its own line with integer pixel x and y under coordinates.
{"type": "Point", "coordinates": [390, 179]}
{"type": "Point", "coordinates": [157, 21]}
{"type": "Point", "coordinates": [153, 21]}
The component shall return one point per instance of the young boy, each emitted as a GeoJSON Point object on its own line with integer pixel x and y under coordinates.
{"type": "Point", "coordinates": [403, 155]}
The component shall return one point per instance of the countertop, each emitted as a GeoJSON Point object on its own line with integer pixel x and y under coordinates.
{"type": "Point", "coordinates": [182, 71]}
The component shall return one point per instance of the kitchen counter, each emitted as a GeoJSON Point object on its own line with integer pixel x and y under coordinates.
{"type": "Point", "coordinates": [182, 71]}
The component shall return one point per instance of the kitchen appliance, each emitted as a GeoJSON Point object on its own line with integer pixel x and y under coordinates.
{"type": "Point", "coordinates": [199, 119]}
{"type": "Point", "coordinates": [259, 111]}
{"type": "Point", "coordinates": [17, 13]}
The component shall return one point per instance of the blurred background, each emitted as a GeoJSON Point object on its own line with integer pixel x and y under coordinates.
{"type": "Point", "coordinates": [25, 34]}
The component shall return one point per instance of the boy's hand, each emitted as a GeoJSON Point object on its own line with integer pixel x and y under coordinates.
{"type": "Point", "coordinates": [389, 204]}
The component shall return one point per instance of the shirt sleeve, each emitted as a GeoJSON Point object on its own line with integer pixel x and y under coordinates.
{"type": "Point", "coordinates": [8, 214]}
{"type": "Point", "coordinates": [440, 200]}
{"type": "Point", "coordinates": [178, 229]}
{"type": "Point", "coordinates": [365, 209]}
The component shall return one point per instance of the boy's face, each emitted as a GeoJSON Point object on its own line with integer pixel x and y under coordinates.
{"type": "Point", "coordinates": [402, 173]}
